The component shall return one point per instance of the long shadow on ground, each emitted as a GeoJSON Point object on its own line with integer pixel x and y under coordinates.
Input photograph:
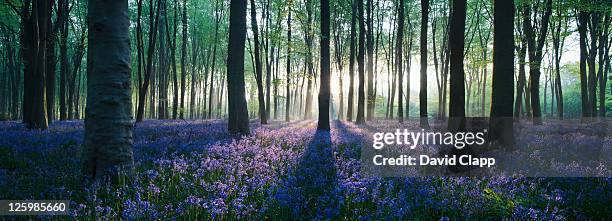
{"type": "Point", "coordinates": [307, 192]}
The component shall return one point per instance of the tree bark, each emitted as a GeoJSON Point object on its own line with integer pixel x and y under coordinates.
{"type": "Point", "coordinates": [424, 123]}
{"type": "Point", "coordinates": [351, 89]}
{"type": "Point", "coordinates": [183, 58]}
{"type": "Point", "coordinates": [258, 69]}
{"type": "Point", "coordinates": [324, 91]}
{"type": "Point", "coordinates": [288, 77]}
{"type": "Point", "coordinates": [238, 118]}
{"type": "Point", "coordinates": [398, 59]}
{"type": "Point", "coordinates": [501, 123]}
{"type": "Point", "coordinates": [535, 56]}
{"type": "Point", "coordinates": [360, 63]}
{"type": "Point", "coordinates": [456, 110]}
{"type": "Point", "coordinates": [108, 126]}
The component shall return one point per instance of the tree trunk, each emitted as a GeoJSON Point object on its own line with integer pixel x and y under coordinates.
{"type": "Point", "coordinates": [63, 25]}
{"type": "Point", "coordinates": [183, 64]}
{"type": "Point", "coordinates": [501, 123]}
{"type": "Point", "coordinates": [360, 63]}
{"type": "Point", "coordinates": [142, 90]}
{"type": "Point", "coordinates": [238, 118]}
{"type": "Point", "coordinates": [424, 123]}
{"type": "Point", "coordinates": [258, 69]}
{"type": "Point", "coordinates": [398, 59]}
{"type": "Point", "coordinates": [288, 77]}
{"type": "Point", "coordinates": [582, 29]}
{"type": "Point", "coordinates": [324, 91]}
{"type": "Point", "coordinates": [370, 65]}
{"type": "Point", "coordinates": [535, 56]}
{"type": "Point", "coordinates": [108, 125]}
{"type": "Point", "coordinates": [351, 90]}
{"type": "Point", "coordinates": [456, 110]}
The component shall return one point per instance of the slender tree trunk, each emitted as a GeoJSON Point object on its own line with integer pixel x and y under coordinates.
{"type": "Point", "coordinates": [582, 29]}
{"type": "Point", "coordinates": [351, 90]}
{"type": "Point", "coordinates": [63, 25]}
{"type": "Point", "coordinates": [50, 64]}
{"type": "Point", "coordinates": [183, 64]}
{"type": "Point", "coordinates": [214, 57]}
{"type": "Point", "coordinates": [324, 91]}
{"type": "Point", "coordinates": [288, 77]}
{"type": "Point", "coordinates": [398, 59]}
{"type": "Point", "coordinates": [423, 90]}
{"type": "Point", "coordinates": [142, 91]}
{"type": "Point", "coordinates": [360, 63]}
{"type": "Point", "coordinates": [258, 69]}
{"type": "Point", "coordinates": [175, 83]}
{"type": "Point", "coordinates": [108, 124]}
{"type": "Point", "coordinates": [535, 56]}
{"type": "Point", "coordinates": [370, 65]}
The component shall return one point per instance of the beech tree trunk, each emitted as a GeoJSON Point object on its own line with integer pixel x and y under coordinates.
{"type": "Point", "coordinates": [501, 123]}
{"type": "Point", "coordinates": [398, 59]}
{"type": "Point", "coordinates": [360, 63]}
{"type": "Point", "coordinates": [456, 121]}
{"type": "Point", "coordinates": [108, 116]}
{"type": "Point", "coordinates": [258, 69]}
{"type": "Point", "coordinates": [424, 123]}
{"type": "Point", "coordinates": [351, 89]}
{"type": "Point", "coordinates": [238, 118]}
{"type": "Point", "coordinates": [324, 91]}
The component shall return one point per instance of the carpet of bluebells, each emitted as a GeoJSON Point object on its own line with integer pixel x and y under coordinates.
{"type": "Point", "coordinates": [190, 170]}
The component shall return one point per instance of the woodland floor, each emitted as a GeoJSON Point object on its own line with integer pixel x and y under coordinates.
{"type": "Point", "coordinates": [196, 170]}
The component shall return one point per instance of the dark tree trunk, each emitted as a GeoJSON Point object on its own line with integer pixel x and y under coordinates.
{"type": "Point", "coordinates": [370, 65]}
{"type": "Point", "coordinates": [582, 29]}
{"type": "Point", "coordinates": [37, 119]}
{"type": "Point", "coordinates": [456, 108]}
{"type": "Point", "coordinates": [214, 57]}
{"type": "Point", "coordinates": [521, 82]}
{"type": "Point", "coordinates": [424, 123]}
{"type": "Point", "coordinates": [288, 77]}
{"type": "Point", "coordinates": [109, 122]}
{"type": "Point", "coordinates": [142, 90]}
{"type": "Point", "coordinates": [163, 65]}
{"type": "Point", "coordinates": [603, 40]}
{"type": "Point", "coordinates": [398, 59]}
{"type": "Point", "coordinates": [175, 83]}
{"type": "Point", "coordinates": [558, 42]}
{"type": "Point", "coordinates": [535, 56]}
{"type": "Point", "coordinates": [258, 69]}
{"type": "Point", "coordinates": [324, 91]}
{"type": "Point", "coordinates": [360, 63]}
{"type": "Point", "coordinates": [238, 118]}
{"type": "Point", "coordinates": [501, 123]}
{"type": "Point", "coordinates": [351, 89]}
{"type": "Point", "coordinates": [50, 64]}
{"type": "Point", "coordinates": [308, 37]}
{"type": "Point", "coordinates": [63, 25]}
{"type": "Point", "coordinates": [183, 64]}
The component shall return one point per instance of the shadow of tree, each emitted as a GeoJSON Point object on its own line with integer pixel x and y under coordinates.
{"type": "Point", "coordinates": [308, 191]}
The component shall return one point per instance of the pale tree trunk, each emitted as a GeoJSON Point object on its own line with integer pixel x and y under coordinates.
{"type": "Point", "coordinates": [108, 116]}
